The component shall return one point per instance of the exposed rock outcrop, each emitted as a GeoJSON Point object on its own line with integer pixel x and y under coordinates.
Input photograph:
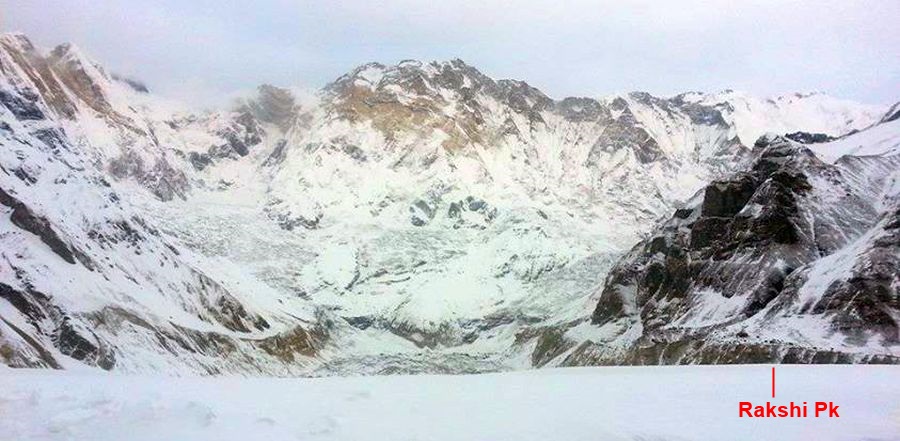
{"type": "Point", "coordinates": [793, 240]}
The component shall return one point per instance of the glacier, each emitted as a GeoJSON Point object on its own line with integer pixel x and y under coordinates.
{"type": "Point", "coordinates": [408, 218]}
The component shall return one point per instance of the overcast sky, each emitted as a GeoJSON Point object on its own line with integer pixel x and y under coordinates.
{"type": "Point", "coordinates": [206, 49]}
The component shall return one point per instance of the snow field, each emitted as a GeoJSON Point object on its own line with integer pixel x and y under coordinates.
{"type": "Point", "coordinates": [608, 403]}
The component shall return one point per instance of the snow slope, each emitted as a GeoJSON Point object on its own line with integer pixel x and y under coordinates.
{"type": "Point", "coordinates": [753, 116]}
{"type": "Point", "coordinates": [405, 218]}
{"type": "Point", "coordinates": [882, 139]}
{"type": "Point", "coordinates": [84, 276]}
{"type": "Point", "coordinates": [794, 259]}
{"type": "Point", "coordinates": [648, 403]}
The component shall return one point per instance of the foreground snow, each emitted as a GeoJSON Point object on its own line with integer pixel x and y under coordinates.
{"type": "Point", "coordinates": [647, 403]}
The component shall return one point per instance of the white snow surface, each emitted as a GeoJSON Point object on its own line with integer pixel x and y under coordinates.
{"type": "Point", "coordinates": [814, 112]}
{"type": "Point", "coordinates": [544, 203]}
{"type": "Point", "coordinates": [609, 403]}
{"type": "Point", "coordinates": [880, 140]}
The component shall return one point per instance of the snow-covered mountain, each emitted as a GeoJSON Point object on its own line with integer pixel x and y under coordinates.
{"type": "Point", "coordinates": [414, 217]}
{"type": "Point", "coordinates": [795, 259]}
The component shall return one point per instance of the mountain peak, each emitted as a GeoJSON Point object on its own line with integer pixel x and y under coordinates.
{"type": "Point", "coordinates": [72, 55]}
{"type": "Point", "coordinates": [373, 73]}
{"type": "Point", "coordinates": [420, 180]}
{"type": "Point", "coordinates": [67, 50]}
{"type": "Point", "coordinates": [436, 80]}
{"type": "Point", "coordinates": [17, 40]}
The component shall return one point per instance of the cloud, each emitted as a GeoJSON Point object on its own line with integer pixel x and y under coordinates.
{"type": "Point", "coordinates": [204, 49]}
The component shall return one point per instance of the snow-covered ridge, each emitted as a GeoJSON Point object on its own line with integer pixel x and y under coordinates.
{"type": "Point", "coordinates": [406, 218]}
{"type": "Point", "coordinates": [883, 139]}
{"type": "Point", "coordinates": [811, 112]}
{"type": "Point", "coordinates": [811, 255]}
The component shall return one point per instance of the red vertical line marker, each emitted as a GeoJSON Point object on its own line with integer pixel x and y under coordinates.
{"type": "Point", "coordinates": [773, 382]}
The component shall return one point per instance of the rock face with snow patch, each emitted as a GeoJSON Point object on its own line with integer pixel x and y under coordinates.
{"type": "Point", "coordinates": [84, 276]}
{"type": "Point", "coordinates": [794, 260]}
{"type": "Point", "coordinates": [409, 217]}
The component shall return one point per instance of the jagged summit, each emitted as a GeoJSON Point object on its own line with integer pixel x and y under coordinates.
{"type": "Point", "coordinates": [373, 72]}
{"type": "Point", "coordinates": [69, 52]}
{"type": "Point", "coordinates": [808, 246]}
{"type": "Point", "coordinates": [435, 77]}
{"type": "Point", "coordinates": [420, 216]}
{"type": "Point", "coordinates": [18, 40]}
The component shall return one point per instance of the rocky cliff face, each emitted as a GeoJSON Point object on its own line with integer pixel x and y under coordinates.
{"type": "Point", "coordinates": [84, 276]}
{"type": "Point", "coordinates": [420, 216]}
{"type": "Point", "coordinates": [793, 260]}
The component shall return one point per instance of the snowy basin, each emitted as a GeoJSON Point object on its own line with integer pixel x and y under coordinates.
{"type": "Point", "coordinates": [602, 403]}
